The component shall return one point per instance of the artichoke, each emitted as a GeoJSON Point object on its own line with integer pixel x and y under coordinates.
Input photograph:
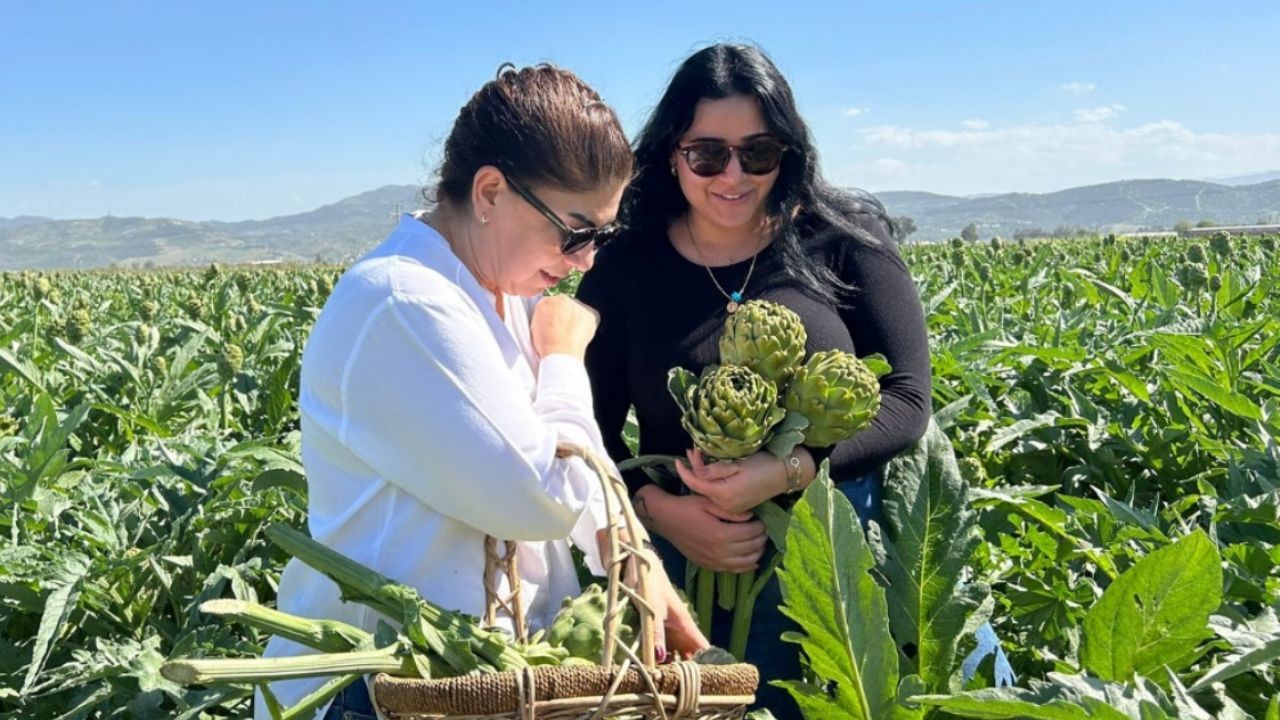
{"type": "Point", "coordinates": [766, 337]}
{"type": "Point", "coordinates": [1220, 243]}
{"type": "Point", "coordinates": [837, 393]}
{"type": "Point", "coordinates": [579, 626]}
{"type": "Point", "coordinates": [230, 361]}
{"type": "Point", "coordinates": [728, 411]}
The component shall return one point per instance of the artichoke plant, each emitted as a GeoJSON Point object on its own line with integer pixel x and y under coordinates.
{"type": "Point", "coordinates": [728, 411]}
{"type": "Point", "coordinates": [766, 337]}
{"type": "Point", "coordinates": [838, 393]}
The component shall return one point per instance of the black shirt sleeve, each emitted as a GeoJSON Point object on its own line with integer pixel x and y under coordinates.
{"type": "Point", "coordinates": [884, 315]}
{"type": "Point", "coordinates": [606, 362]}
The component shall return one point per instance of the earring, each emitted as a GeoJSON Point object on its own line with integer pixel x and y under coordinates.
{"type": "Point", "coordinates": [484, 219]}
{"type": "Point", "coordinates": [673, 169]}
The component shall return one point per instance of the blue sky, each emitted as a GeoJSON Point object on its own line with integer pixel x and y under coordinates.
{"type": "Point", "coordinates": [234, 110]}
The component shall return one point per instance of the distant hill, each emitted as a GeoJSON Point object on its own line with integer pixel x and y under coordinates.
{"type": "Point", "coordinates": [336, 233]}
{"type": "Point", "coordinates": [341, 231]}
{"type": "Point", "coordinates": [1252, 179]}
{"type": "Point", "coordinates": [1122, 206]}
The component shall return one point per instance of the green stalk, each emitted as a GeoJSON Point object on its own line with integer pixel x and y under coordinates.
{"type": "Point", "coordinates": [257, 670]}
{"type": "Point", "coordinates": [726, 587]}
{"type": "Point", "coordinates": [742, 614]}
{"type": "Point", "coordinates": [309, 705]}
{"type": "Point", "coordinates": [399, 601]}
{"type": "Point", "coordinates": [328, 636]}
{"type": "Point", "coordinates": [706, 599]}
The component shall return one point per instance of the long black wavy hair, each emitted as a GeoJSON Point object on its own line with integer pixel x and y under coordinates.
{"type": "Point", "coordinates": [800, 203]}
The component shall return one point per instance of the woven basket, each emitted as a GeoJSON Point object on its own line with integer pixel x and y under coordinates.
{"type": "Point", "coordinates": [635, 689]}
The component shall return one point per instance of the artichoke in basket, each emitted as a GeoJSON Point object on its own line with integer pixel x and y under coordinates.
{"type": "Point", "coordinates": [838, 393]}
{"type": "Point", "coordinates": [579, 626]}
{"type": "Point", "coordinates": [767, 337]}
{"type": "Point", "coordinates": [729, 410]}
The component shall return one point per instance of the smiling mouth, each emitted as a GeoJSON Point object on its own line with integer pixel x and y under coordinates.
{"type": "Point", "coordinates": [732, 197]}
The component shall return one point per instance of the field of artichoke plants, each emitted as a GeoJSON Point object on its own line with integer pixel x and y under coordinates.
{"type": "Point", "coordinates": [1107, 537]}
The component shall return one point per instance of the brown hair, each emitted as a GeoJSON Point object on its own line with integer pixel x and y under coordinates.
{"type": "Point", "coordinates": [541, 124]}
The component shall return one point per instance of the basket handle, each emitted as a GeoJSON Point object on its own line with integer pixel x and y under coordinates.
{"type": "Point", "coordinates": [624, 554]}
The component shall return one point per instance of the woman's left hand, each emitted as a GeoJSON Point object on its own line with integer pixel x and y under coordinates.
{"type": "Point", "coordinates": [735, 486]}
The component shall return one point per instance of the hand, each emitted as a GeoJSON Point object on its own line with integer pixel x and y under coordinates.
{"type": "Point", "coordinates": [562, 325]}
{"type": "Point", "coordinates": [706, 534]}
{"type": "Point", "coordinates": [675, 630]}
{"type": "Point", "coordinates": [735, 486]}
{"type": "Point", "coordinates": [682, 636]}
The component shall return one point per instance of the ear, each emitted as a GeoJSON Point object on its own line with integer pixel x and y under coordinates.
{"type": "Point", "coordinates": [486, 187]}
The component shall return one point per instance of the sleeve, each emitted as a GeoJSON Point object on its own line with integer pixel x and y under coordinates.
{"type": "Point", "coordinates": [885, 316]}
{"type": "Point", "coordinates": [431, 406]}
{"type": "Point", "coordinates": [606, 364]}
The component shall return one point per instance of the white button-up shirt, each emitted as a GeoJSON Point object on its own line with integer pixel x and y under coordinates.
{"type": "Point", "coordinates": [428, 422]}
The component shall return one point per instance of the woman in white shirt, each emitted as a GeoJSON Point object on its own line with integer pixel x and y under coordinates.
{"type": "Point", "coordinates": [437, 381]}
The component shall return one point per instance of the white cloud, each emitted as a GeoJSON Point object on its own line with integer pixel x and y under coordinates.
{"type": "Point", "coordinates": [975, 124]}
{"type": "Point", "coordinates": [1078, 88]}
{"type": "Point", "coordinates": [1043, 158]}
{"type": "Point", "coordinates": [854, 111]}
{"type": "Point", "coordinates": [1098, 114]}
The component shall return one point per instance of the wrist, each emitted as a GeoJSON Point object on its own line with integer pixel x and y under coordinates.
{"type": "Point", "coordinates": [791, 465]}
{"type": "Point", "coordinates": [800, 469]}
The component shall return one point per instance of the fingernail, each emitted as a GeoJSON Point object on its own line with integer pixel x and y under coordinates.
{"type": "Point", "coordinates": [661, 654]}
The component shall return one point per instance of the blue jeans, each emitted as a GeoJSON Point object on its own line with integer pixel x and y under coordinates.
{"type": "Point", "coordinates": [775, 659]}
{"type": "Point", "coordinates": [353, 703]}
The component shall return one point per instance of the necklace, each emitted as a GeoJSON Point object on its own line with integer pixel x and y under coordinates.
{"type": "Point", "coordinates": [734, 298]}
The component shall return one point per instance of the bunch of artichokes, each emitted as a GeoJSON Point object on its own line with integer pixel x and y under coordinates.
{"type": "Point", "coordinates": [765, 395]}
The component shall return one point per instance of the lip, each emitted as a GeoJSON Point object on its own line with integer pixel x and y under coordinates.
{"type": "Point", "coordinates": [549, 279]}
{"type": "Point", "coordinates": [727, 199]}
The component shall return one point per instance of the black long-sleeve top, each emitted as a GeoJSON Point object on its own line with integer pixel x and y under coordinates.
{"type": "Point", "coordinates": [658, 310]}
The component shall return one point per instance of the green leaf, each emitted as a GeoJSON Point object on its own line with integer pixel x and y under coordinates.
{"type": "Point", "coordinates": [1157, 610]}
{"type": "Point", "coordinates": [1238, 664]}
{"type": "Point", "coordinates": [23, 368]}
{"type": "Point", "coordinates": [932, 536]}
{"type": "Point", "coordinates": [57, 609]}
{"type": "Point", "coordinates": [1225, 398]}
{"type": "Point", "coordinates": [878, 364]}
{"type": "Point", "coordinates": [787, 434]}
{"type": "Point", "coordinates": [828, 590]}
{"type": "Point", "coordinates": [679, 381]}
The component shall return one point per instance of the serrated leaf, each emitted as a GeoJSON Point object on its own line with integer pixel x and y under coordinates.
{"type": "Point", "coordinates": [827, 589]}
{"type": "Point", "coordinates": [1157, 610]}
{"type": "Point", "coordinates": [933, 535]}
{"type": "Point", "coordinates": [57, 609]}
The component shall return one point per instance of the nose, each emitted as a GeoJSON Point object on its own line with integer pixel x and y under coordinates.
{"type": "Point", "coordinates": [582, 258]}
{"type": "Point", "coordinates": [733, 171]}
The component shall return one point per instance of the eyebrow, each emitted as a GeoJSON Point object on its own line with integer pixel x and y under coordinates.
{"type": "Point", "coordinates": [766, 133]}
{"type": "Point", "coordinates": [583, 218]}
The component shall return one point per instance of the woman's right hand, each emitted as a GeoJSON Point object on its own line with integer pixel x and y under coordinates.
{"type": "Point", "coordinates": [562, 325]}
{"type": "Point", "coordinates": [707, 535]}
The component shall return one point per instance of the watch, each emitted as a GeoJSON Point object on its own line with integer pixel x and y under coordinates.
{"type": "Point", "coordinates": [792, 462]}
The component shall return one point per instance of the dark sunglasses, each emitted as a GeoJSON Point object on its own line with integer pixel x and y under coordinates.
{"type": "Point", "coordinates": [758, 156]}
{"type": "Point", "coordinates": [571, 240]}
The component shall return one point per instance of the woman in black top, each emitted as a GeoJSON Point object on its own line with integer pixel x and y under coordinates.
{"type": "Point", "coordinates": [728, 206]}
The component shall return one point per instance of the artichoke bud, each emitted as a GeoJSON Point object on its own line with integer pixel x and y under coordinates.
{"type": "Point", "coordinates": [730, 410]}
{"type": "Point", "coordinates": [579, 626]}
{"type": "Point", "coordinates": [230, 361]}
{"type": "Point", "coordinates": [1220, 243]}
{"type": "Point", "coordinates": [1196, 254]}
{"type": "Point", "coordinates": [837, 393]}
{"type": "Point", "coordinates": [77, 325]}
{"type": "Point", "coordinates": [766, 337]}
